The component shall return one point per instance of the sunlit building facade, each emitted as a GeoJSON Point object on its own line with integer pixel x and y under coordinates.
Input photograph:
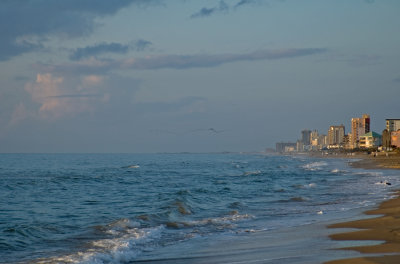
{"type": "Point", "coordinates": [395, 138]}
{"type": "Point", "coordinates": [392, 124]}
{"type": "Point", "coordinates": [359, 127]}
{"type": "Point", "coordinates": [336, 136]}
{"type": "Point", "coordinates": [370, 140]}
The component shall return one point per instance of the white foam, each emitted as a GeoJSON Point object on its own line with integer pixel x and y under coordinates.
{"type": "Point", "coordinates": [248, 173]}
{"type": "Point", "coordinates": [385, 182]}
{"type": "Point", "coordinates": [369, 173]}
{"type": "Point", "coordinates": [225, 220]}
{"type": "Point", "coordinates": [338, 171]}
{"type": "Point", "coordinates": [317, 165]}
{"type": "Point", "coordinates": [311, 185]}
{"type": "Point", "coordinates": [120, 249]}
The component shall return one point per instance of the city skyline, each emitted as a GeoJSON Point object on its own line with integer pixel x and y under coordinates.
{"type": "Point", "coordinates": [191, 76]}
{"type": "Point", "coordinates": [359, 136]}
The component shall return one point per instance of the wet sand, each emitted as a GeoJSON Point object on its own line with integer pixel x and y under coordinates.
{"type": "Point", "coordinates": [384, 228]}
{"type": "Point", "coordinates": [366, 161]}
{"type": "Point", "coordinates": [378, 162]}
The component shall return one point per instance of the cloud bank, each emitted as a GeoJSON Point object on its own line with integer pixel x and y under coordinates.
{"type": "Point", "coordinates": [179, 62]}
{"type": "Point", "coordinates": [99, 49]}
{"type": "Point", "coordinates": [104, 48]}
{"type": "Point", "coordinates": [24, 25]}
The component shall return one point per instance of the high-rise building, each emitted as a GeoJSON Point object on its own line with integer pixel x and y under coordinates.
{"type": "Point", "coordinates": [314, 138]}
{"type": "Point", "coordinates": [306, 137]}
{"type": "Point", "coordinates": [392, 124]}
{"type": "Point", "coordinates": [323, 140]}
{"type": "Point", "coordinates": [336, 135]}
{"type": "Point", "coordinates": [359, 127]}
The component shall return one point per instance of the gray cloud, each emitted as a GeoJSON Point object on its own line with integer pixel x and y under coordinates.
{"type": "Point", "coordinates": [205, 60]}
{"type": "Point", "coordinates": [21, 20]}
{"type": "Point", "coordinates": [245, 2]}
{"type": "Point", "coordinates": [103, 48]}
{"type": "Point", "coordinates": [176, 61]}
{"type": "Point", "coordinates": [75, 96]}
{"type": "Point", "coordinates": [205, 12]}
{"type": "Point", "coordinates": [223, 7]}
{"type": "Point", "coordinates": [141, 44]}
{"type": "Point", "coordinates": [397, 80]}
{"type": "Point", "coordinates": [99, 49]}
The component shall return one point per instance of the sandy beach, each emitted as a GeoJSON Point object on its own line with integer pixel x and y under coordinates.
{"type": "Point", "coordinates": [363, 160]}
{"type": "Point", "coordinates": [380, 161]}
{"type": "Point", "coordinates": [385, 227]}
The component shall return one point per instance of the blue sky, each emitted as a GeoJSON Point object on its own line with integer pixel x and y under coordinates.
{"type": "Point", "coordinates": [185, 75]}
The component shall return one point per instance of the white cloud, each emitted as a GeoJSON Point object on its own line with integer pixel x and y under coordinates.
{"type": "Point", "coordinates": [54, 102]}
{"type": "Point", "coordinates": [90, 80]}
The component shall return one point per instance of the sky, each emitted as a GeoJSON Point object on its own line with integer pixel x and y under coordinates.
{"type": "Point", "coordinates": [143, 76]}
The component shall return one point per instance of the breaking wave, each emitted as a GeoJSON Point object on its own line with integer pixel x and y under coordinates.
{"type": "Point", "coordinates": [313, 166]}
{"type": "Point", "coordinates": [127, 242]}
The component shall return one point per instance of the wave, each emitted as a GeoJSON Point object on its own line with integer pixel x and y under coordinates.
{"type": "Point", "coordinates": [218, 222]}
{"type": "Point", "coordinates": [295, 199]}
{"type": "Point", "coordinates": [133, 166]}
{"type": "Point", "coordinates": [127, 242]}
{"type": "Point", "coordinates": [311, 185]}
{"type": "Point", "coordinates": [313, 166]}
{"type": "Point", "coordinates": [385, 182]}
{"type": "Point", "coordinates": [249, 173]}
{"type": "Point", "coordinates": [25, 232]}
{"type": "Point", "coordinates": [298, 199]}
{"type": "Point", "coordinates": [303, 186]}
{"type": "Point", "coordinates": [182, 208]}
{"type": "Point", "coordinates": [369, 173]}
{"type": "Point", "coordinates": [338, 171]}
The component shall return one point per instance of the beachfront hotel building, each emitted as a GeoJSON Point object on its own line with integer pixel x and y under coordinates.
{"type": "Point", "coordinates": [359, 127]}
{"type": "Point", "coordinates": [370, 140]}
{"type": "Point", "coordinates": [392, 124]}
{"type": "Point", "coordinates": [336, 136]}
{"type": "Point", "coordinates": [390, 135]}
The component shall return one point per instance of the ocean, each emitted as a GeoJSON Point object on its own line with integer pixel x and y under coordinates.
{"type": "Point", "coordinates": [180, 208]}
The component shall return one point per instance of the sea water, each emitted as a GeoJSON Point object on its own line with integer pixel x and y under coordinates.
{"type": "Point", "coordinates": [177, 208]}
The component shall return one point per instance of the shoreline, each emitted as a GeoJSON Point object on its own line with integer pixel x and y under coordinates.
{"type": "Point", "coordinates": [384, 228]}
{"type": "Point", "coordinates": [365, 161]}
{"type": "Point", "coordinates": [378, 162]}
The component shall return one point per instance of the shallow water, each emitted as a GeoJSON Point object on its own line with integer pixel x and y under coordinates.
{"type": "Point", "coordinates": [127, 208]}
